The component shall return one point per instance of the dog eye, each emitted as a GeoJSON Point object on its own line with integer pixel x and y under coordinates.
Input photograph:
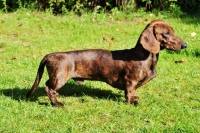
{"type": "Point", "coordinates": [166, 34]}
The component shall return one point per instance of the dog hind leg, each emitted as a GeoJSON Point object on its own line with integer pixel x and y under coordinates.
{"type": "Point", "coordinates": [52, 85]}
{"type": "Point", "coordinates": [52, 96]}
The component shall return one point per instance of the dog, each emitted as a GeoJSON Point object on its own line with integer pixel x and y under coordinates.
{"type": "Point", "coordinates": [123, 69]}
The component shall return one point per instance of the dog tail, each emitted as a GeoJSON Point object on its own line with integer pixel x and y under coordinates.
{"type": "Point", "coordinates": [38, 77]}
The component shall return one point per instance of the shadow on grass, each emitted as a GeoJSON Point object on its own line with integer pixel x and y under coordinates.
{"type": "Point", "coordinates": [191, 18]}
{"type": "Point", "coordinates": [70, 89]}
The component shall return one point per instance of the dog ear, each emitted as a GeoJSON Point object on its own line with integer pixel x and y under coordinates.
{"type": "Point", "coordinates": [149, 41]}
{"type": "Point", "coordinates": [158, 31]}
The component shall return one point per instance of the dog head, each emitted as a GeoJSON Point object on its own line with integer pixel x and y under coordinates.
{"type": "Point", "coordinates": [159, 35]}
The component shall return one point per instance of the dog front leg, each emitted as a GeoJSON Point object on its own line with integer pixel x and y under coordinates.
{"type": "Point", "coordinates": [130, 93]}
{"type": "Point", "coordinates": [52, 96]}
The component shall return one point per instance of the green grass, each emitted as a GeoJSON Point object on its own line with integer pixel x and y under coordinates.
{"type": "Point", "coordinates": [168, 103]}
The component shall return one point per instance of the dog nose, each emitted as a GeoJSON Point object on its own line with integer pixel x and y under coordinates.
{"type": "Point", "coordinates": [183, 45]}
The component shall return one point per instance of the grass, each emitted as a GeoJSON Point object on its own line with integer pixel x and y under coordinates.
{"type": "Point", "coordinates": [168, 103]}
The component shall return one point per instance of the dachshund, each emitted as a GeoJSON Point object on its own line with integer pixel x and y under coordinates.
{"type": "Point", "coordinates": [123, 69]}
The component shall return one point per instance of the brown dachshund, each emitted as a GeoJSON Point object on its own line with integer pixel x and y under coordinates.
{"type": "Point", "coordinates": [123, 69]}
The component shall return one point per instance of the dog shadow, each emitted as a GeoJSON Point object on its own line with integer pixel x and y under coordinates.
{"type": "Point", "coordinates": [69, 90]}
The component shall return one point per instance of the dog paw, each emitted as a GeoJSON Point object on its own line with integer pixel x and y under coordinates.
{"type": "Point", "coordinates": [136, 97]}
{"type": "Point", "coordinates": [135, 103]}
{"type": "Point", "coordinates": [133, 100]}
{"type": "Point", "coordinates": [58, 104]}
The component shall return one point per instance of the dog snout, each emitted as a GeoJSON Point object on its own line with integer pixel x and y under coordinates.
{"type": "Point", "coordinates": [183, 45]}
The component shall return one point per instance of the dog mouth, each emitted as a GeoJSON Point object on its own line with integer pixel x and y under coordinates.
{"type": "Point", "coordinates": [169, 47]}
{"type": "Point", "coordinates": [174, 48]}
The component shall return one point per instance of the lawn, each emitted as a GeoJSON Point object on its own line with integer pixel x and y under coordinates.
{"type": "Point", "coordinates": [168, 103]}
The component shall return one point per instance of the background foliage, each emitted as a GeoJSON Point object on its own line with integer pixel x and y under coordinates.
{"type": "Point", "coordinates": [58, 6]}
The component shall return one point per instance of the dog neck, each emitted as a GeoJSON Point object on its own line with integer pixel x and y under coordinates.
{"type": "Point", "coordinates": [142, 54]}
